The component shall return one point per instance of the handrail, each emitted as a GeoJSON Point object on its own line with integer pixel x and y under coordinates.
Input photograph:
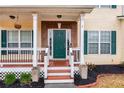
{"type": "Point", "coordinates": [46, 60]}
{"type": "Point", "coordinates": [16, 49]}
{"type": "Point", "coordinates": [42, 49]}
{"type": "Point", "coordinates": [76, 53]}
{"type": "Point", "coordinates": [71, 60]}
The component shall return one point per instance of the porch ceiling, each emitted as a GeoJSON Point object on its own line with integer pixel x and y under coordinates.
{"type": "Point", "coordinates": [69, 13]}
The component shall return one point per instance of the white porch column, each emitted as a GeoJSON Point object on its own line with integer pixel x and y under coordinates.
{"type": "Point", "coordinates": [0, 42]}
{"type": "Point", "coordinates": [35, 28]}
{"type": "Point", "coordinates": [78, 32]}
{"type": "Point", "coordinates": [82, 39]}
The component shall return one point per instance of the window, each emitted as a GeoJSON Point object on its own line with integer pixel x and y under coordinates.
{"type": "Point", "coordinates": [16, 41]}
{"type": "Point", "coordinates": [107, 6]}
{"type": "Point", "coordinates": [12, 41]}
{"type": "Point", "coordinates": [26, 39]}
{"type": "Point", "coordinates": [99, 42]}
{"type": "Point", "coordinates": [93, 41]}
{"type": "Point", "coordinates": [105, 42]}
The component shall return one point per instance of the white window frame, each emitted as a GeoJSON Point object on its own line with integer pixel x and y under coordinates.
{"type": "Point", "coordinates": [8, 38]}
{"type": "Point", "coordinates": [25, 42]}
{"type": "Point", "coordinates": [99, 44]}
{"type": "Point", "coordinates": [104, 42]}
{"type": "Point", "coordinates": [92, 42]}
{"type": "Point", "coordinates": [19, 41]}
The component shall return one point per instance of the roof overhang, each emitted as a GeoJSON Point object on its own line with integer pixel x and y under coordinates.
{"type": "Point", "coordinates": [48, 12]}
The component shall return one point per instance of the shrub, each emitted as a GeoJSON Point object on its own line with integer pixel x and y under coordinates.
{"type": "Point", "coordinates": [9, 79]}
{"type": "Point", "coordinates": [91, 67]}
{"type": "Point", "coordinates": [25, 78]}
{"type": "Point", "coordinates": [122, 64]}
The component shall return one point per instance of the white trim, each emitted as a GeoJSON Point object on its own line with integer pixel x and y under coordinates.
{"type": "Point", "coordinates": [60, 81]}
{"type": "Point", "coordinates": [17, 69]}
{"type": "Point", "coordinates": [0, 42]}
{"type": "Point", "coordinates": [15, 63]}
{"type": "Point", "coordinates": [35, 29]}
{"type": "Point", "coordinates": [99, 43]}
{"type": "Point", "coordinates": [51, 31]}
{"type": "Point", "coordinates": [82, 39]}
{"type": "Point", "coordinates": [78, 33]}
{"type": "Point", "coordinates": [76, 62]}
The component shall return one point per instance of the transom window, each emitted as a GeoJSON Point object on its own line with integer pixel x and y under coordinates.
{"type": "Point", "coordinates": [99, 42]}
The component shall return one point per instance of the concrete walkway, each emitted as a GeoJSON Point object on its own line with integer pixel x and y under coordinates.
{"type": "Point", "coordinates": [68, 85]}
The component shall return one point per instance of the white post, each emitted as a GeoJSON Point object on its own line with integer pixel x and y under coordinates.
{"type": "Point", "coordinates": [82, 39]}
{"type": "Point", "coordinates": [45, 66]}
{"type": "Point", "coordinates": [72, 66]}
{"type": "Point", "coordinates": [122, 10]}
{"type": "Point", "coordinates": [0, 42]}
{"type": "Point", "coordinates": [35, 17]}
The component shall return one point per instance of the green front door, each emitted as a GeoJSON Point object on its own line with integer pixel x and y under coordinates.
{"type": "Point", "coordinates": [59, 43]}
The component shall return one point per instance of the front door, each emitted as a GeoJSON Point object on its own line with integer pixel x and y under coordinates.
{"type": "Point", "coordinates": [59, 44]}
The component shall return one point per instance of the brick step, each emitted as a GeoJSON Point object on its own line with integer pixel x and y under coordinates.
{"type": "Point", "coordinates": [59, 71]}
{"type": "Point", "coordinates": [59, 74]}
{"type": "Point", "coordinates": [58, 77]}
{"type": "Point", "coordinates": [59, 68]}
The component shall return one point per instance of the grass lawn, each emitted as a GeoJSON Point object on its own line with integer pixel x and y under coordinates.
{"type": "Point", "coordinates": [110, 81]}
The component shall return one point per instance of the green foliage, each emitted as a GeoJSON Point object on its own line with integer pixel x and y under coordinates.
{"type": "Point", "coordinates": [25, 78]}
{"type": "Point", "coordinates": [91, 66]}
{"type": "Point", "coordinates": [9, 79]}
{"type": "Point", "coordinates": [122, 64]}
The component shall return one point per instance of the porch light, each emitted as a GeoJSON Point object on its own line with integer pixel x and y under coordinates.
{"type": "Point", "coordinates": [59, 16]}
{"type": "Point", "coordinates": [12, 17]}
{"type": "Point", "coordinates": [17, 25]}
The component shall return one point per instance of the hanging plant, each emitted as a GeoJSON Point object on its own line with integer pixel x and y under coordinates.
{"type": "Point", "coordinates": [17, 25]}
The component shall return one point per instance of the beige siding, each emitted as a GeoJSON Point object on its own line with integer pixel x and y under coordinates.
{"type": "Point", "coordinates": [103, 19]}
{"type": "Point", "coordinates": [100, 19]}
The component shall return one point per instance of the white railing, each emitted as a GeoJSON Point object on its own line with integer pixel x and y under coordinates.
{"type": "Point", "coordinates": [71, 61]}
{"type": "Point", "coordinates": [46, 60]}
{"type": "Point", "coordinates": [20, 56]}
{"type": "Point", "coordinates": [76, 53]}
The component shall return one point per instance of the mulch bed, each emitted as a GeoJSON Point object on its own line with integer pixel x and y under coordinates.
{"type": "Point", "coordinates": [99, 69]}
{"type": "Point", "coordinates": [17, 84]}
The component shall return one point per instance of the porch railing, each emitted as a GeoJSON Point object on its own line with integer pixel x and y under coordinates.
{"type": "Point", "coordinates": [20, 56]}
{"type": "Point", "coordinates": [71, 61]}
{"type": "Point", "coordinates": [46, 60]}
{"type": "Point", "coordinates": [76, 53]}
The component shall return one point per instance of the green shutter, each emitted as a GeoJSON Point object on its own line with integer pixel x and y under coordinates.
{"type": "Point", "coordinates": [113, 42]}
{"type": "Point", "coordinates": [4, 41]}
{"type": "Point", "coordinates": [85, 42]}
{"type": "Point", "coordinates": [32, 38]}
{"type": "Point", "coordinates": [114, 6]}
